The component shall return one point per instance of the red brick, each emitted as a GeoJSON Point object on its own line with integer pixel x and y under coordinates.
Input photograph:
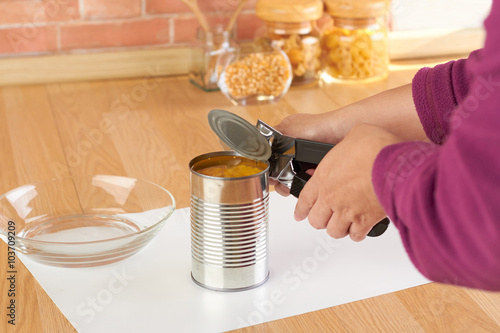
{"type": "Point", "coordinates": [166, 6]}
{"type": "Point", "coordinates": [28, 39]}
{"type": "Point", "coordinates": [36, 11]}
{"type": "Point", "coordinates": [223, 6]}
{"type": "Point", "coordinates": [62, 10]}
{"type": "Point", "coordinates": [185, 27]}
{"type": "Point", "coordinates": [247, 26]}
{"type": "Point", "coordinates": [207, 6]}
{"type": "Point", "coordinates": [111, 8]}
{"type": "Point", "coordinates": [126, 33]}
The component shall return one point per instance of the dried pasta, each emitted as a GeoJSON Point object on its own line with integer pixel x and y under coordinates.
{"type": "Point", "coordinates": [355, 54]}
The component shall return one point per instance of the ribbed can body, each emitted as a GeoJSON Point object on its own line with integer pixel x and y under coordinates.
{"type": "Point", "coordinates": [229, 229]}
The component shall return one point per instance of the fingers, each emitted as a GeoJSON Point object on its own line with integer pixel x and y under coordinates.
{"type": "Point", "coordinates": [319, 216]}
{"type": "Point", "coordinates": [273, 182]}
{"type": "Point", "coordinates": [340, 225]}
{"type": "Point", "coordinates": [307, 199]}
{"type": "Point", "coordinates": [337, 227]}
{"type": "Point", "coordinates": [360, 229]}
{"type": "Point", "coordinates": [282, 189]}
{"type": "Point", "coordinates": [356, 233]}
{"type": "Point", "coordinates": [287, 124]}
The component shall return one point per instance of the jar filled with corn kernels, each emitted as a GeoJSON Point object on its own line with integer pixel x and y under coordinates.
{"type": "Point", "coordinates": [290, 25]}
{"type": "Point", "coordinates": [356, 46]}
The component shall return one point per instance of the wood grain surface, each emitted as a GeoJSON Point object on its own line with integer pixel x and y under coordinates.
{"type": "Point", "coordinates": [150, 128]}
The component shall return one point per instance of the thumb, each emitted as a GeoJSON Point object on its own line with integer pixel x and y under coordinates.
{"type": "Point", "coordinates": [288, 123]}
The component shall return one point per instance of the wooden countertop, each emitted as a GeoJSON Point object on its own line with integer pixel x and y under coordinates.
{"type": "Point", "coordinates": [150, 128]}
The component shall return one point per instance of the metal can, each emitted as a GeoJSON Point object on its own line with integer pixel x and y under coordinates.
{"type": "Point", "coordinates": [229, 225]}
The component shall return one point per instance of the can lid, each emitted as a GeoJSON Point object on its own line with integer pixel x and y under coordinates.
{"type": "Point", "coordinates": [289, 10]}
{"type": "Point", "coordinates": [239, 135]}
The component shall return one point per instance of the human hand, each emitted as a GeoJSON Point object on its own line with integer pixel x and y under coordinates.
{"type": "Point", "coordinates": [340, 197]}
{"type": "Point", "coordinates": [326, 127]}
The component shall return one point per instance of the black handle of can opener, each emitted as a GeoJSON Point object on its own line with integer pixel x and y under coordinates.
{"type": "Point", "coordinates": [299, 181]}
{"type": "Point", "coordinates": [311, 151]}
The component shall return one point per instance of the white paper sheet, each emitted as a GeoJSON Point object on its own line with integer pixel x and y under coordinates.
{"type": "Point", "coordinates": [153, 290]}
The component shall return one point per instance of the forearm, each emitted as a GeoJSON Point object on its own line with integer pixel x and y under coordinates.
{"type": "Point", "coordinates": [419, 111]}
{"type": "Point", "coordinates": [392, 110]}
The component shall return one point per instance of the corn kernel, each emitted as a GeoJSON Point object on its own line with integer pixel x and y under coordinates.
{"type": "Point", "coordinates": [257, 74]}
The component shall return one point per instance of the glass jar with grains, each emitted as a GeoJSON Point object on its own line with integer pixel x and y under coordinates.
{"type": "Point", "coordinates": [356, 47]}
{"type": "Point", "coordinates": [290, 25]}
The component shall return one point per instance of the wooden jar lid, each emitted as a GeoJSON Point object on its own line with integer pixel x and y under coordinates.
{"type": "Point", "coordinates": [289, 10]}
{"type": "Point", "coordinates": [357, 8]}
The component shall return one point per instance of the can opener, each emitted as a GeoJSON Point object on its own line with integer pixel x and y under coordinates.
{"type": "Point", "coordinates": [288, 157]}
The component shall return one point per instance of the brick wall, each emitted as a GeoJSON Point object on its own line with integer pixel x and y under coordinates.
{"type": "Point", "coordinates": [37, 27]}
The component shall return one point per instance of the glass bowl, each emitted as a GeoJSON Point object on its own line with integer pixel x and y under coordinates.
{"type": "Point", "coordinates": [83, 221]}
{"type": "Point", "coordinates": [250, 78]}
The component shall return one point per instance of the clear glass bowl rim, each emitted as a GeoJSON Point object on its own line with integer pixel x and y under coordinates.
{"type": "Point", "coordinates": [143, 231]}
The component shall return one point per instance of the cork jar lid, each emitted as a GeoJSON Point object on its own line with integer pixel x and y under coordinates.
{"type": "Point", "coordinates": [289, 10]}
{"type": "Point", "coordinates": [357, 8]}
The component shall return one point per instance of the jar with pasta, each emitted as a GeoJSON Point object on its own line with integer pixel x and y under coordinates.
{"type": "Point", "coordinates": [290, 25]}
{"type": "Point", "coordinates": [356, 46]}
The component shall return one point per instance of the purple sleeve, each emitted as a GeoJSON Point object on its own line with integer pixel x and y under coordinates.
{"type": "Point", "coordinates": [437, 92]}
{"type": "Point", "coordinates": [445, 199]}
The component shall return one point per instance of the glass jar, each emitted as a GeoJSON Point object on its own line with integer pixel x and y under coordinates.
{"type": "Point", "coordinates": [254, 77]}
{"type": "Point", "coordinates": [209, 47]}
{"type": "Point", "coordinates": [291, 27]}
{"type": "Point", "coordinates": [356, 47]}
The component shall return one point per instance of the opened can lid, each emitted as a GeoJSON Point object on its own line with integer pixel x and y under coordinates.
{"type": "Point", "coordinates": [239, 135]}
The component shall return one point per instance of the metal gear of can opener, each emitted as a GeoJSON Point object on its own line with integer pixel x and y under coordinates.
{"type": "Point", "coordinates": [289, 158]}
